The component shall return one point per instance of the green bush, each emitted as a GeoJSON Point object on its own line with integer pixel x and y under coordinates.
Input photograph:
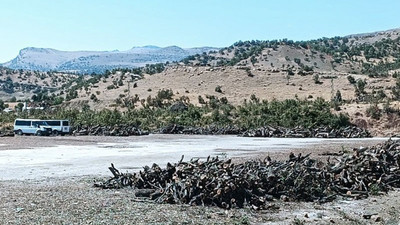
{"type": "Point", "coordinates": [218, 89]}
{"type": "Point", "coordinates": [351, 79]}
{"type": "Point", "coordinates": [374, 112]}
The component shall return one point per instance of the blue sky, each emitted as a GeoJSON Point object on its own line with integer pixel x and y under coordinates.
{"type": "Point", "coordinates": [122, 24]}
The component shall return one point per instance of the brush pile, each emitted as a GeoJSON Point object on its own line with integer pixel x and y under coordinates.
{"type": "Point", "coordinates": [207, 130]}
{"type": "Point", "coordinates": [118, 130]}
{"type": "Point", "coordinates": [6, 132]}
{"type": "Point", "coordinates": [300, 132]}
{"type": "Point", "coordinates": [254, 183]}
{"type": "Point", "coordinates": [266, 131]}
{"type": "Point", "coordinates": [269, 131]}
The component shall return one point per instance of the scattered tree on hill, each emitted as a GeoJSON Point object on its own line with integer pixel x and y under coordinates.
{"type": "Point", "coordinates": [218, 89]}
{"type": "Point", "coordinates": [351, 79]}
{"type": "Point", "coordinates": [316, 79]}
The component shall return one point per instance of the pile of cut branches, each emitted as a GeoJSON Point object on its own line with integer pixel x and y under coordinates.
{"type": "Point", "coordinates": [219, 182]}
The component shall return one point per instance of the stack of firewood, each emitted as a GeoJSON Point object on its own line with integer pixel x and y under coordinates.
{"type": "Point", "coordinates": [254, 183]}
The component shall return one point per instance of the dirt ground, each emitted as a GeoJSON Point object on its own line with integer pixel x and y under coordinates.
{"type": "Point", "coordinates": [73, 200]}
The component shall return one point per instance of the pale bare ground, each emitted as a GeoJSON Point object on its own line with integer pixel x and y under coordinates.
{"type": "Point", "coordinates": [31, 157]}
{"type": "Point", "coordinates": [278, 150]}
{"type": "Point", "coordinates": [73, 200]}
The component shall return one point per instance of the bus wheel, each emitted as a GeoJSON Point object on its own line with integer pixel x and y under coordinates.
{"type": "Point", "coordinates": [38, 133]}
{"type": "Point", "coordinates": [56, 133]}
{"type": "Point", "coordinates": [19, 132]}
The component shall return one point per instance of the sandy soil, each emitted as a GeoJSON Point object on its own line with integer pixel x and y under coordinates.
{"type": "Point", "coordinates": [72, 199]}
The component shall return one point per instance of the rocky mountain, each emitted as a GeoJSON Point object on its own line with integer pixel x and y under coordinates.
{"type": "Point", "coordinates": [47, 59]}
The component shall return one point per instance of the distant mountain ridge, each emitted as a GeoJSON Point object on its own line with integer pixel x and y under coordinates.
{"type": "Point", "coordinates": [47, 59]}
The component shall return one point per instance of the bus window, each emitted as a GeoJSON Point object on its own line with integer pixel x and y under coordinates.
{"type": "Point", "coordinates": [53, 122]}
{"type": "Point", "coordinates": [22, 123]}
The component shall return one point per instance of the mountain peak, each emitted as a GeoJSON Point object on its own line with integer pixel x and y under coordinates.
{"type": "Point", "coordinates": [45, 59]}
{"type": "Point", "coordinates": [143, 49]}
{"type": "Point", "coordinates": [36, 50]}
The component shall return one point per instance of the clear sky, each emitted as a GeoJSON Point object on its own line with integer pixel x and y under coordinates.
{"type": "Point", "coordinates": [122, 24]}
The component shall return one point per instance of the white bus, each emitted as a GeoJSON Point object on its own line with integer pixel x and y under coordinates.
{"type": "Point", "coordinates": [59, 126]}
{"type": "Point", "coordinates": [31, 126]}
